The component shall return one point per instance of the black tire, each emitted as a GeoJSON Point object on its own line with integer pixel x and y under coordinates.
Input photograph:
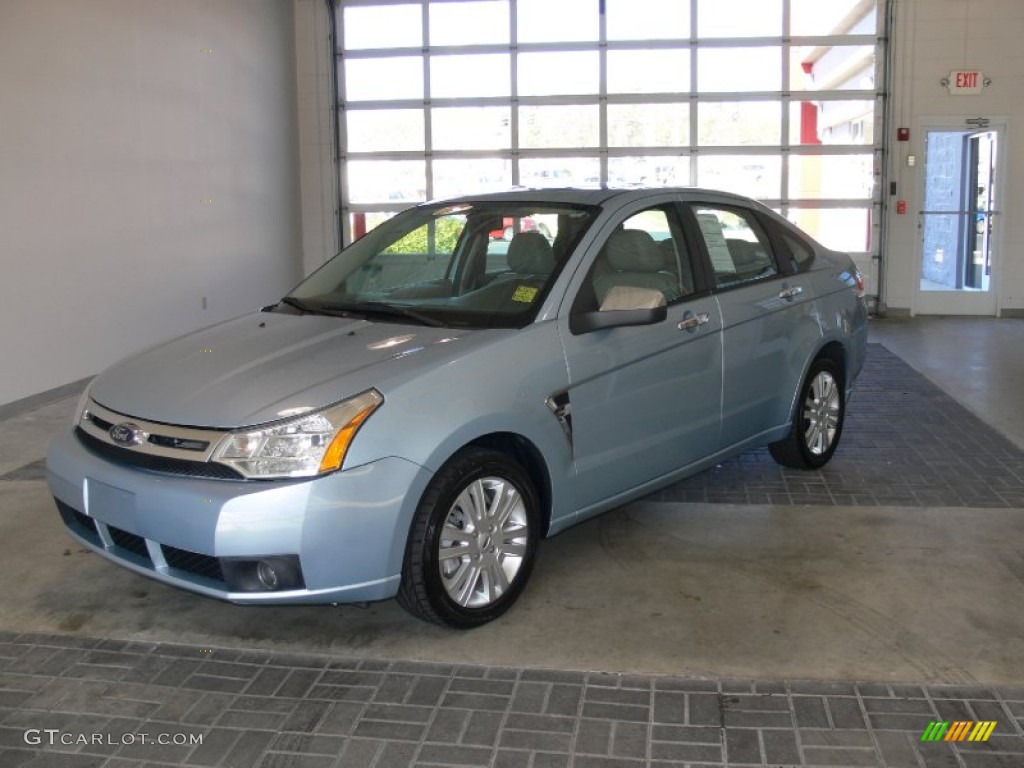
{"type": "Point", "coordinates": [464, 589]}
{"type": "Point", "coordinates": [822, 400]}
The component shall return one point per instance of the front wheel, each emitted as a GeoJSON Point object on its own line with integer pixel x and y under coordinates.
{"type": "Point", "coordinates": [473, 541]}
{"type": "Point", "coordinates": [817, 420]}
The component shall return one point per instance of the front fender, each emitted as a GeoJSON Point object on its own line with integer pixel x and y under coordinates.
{"type": "Point", "coordinates": [494, 389]}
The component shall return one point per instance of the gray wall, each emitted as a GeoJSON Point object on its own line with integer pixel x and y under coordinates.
{"type": "Point", "coordinates": [148, 159]}
{"type": "Point", "coordinates": [933, 37]}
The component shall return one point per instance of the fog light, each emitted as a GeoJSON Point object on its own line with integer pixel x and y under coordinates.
{"type": "Point", "coordinates": [266, 574]}
{"type": "Point", "coordinates": [271, 573]}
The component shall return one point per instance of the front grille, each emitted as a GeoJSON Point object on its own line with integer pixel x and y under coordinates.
{"type": "Point", "coordinates": [81, 524]}
{"type": "Point", "coordinates": [193, 562]}
{"type": "Point", "coordinates": [101, 423]}
{"type": "Point", "coordinates": [130, 541]}
{"type": "Point", "coordinates": [164, 441]}
{"type": "Point", "coordinates": [179, 443]}
{"type": "Point", "coordinates": [154, 463]}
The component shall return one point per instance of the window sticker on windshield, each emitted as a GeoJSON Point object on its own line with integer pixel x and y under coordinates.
{"type": "Point", "coordinates": [525, 294]}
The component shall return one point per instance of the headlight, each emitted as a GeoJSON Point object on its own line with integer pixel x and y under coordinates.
{"type": "Point", "coordinates": [307, 445]}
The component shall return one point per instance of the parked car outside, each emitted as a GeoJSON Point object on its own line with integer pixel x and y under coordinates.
{"type": "Point", "coordinates": [414, 417]}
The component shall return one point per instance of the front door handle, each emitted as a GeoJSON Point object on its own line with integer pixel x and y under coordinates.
{"type": "Point", "coordinates": [790, 293]}
{"type": "Point", "coordinates": [691, 321]}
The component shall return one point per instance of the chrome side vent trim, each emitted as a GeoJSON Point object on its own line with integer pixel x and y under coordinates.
{"type": "Point", "coordinates": [559, 405]}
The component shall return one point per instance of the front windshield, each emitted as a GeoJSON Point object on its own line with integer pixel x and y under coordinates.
{"type": "Point", "coordinates": [481, 265]}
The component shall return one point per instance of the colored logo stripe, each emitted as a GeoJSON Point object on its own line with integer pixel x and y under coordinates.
{"type": "Point", "coordinates": [982, 731]}
{"type": "Point", "coordinates": [935, 731]}
{"type": "Point", "coordinates": [959, 730]}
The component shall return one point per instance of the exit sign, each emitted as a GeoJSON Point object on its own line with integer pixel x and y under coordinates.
{"type": "Point", "coordinates": [966, 82]}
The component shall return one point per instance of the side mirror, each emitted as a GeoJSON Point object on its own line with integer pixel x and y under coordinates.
{"type": "Point", "coordinates": [616, 318]}
{"type": "Point", "coordinates": [622, 306]}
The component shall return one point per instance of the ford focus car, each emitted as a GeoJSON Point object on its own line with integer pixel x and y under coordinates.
{"type": "Point", "coordinates": [468, 378]}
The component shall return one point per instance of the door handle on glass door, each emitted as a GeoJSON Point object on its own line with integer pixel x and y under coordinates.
{"type": "Point", "coordinates": [691, 321]}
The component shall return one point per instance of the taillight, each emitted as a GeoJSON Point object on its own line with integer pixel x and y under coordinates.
{"type": "Point", "coordinates": [858, 284]}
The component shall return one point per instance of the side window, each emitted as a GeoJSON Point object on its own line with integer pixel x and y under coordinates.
{"type": "Point", "coordinates": [737, 246]}
{"type": "Point", "coordinates": [645, 251]}
{"type": "Point", "coordinates": [799, 250]}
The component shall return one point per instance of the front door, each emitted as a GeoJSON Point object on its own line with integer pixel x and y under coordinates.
{"type": "Point", "coordinates": [646, 400]}
{"type": "Point", "coordinates": [959, 219]}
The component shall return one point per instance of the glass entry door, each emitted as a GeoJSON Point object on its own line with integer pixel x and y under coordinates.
{"type": "Point", "coordinates": [958, 221]}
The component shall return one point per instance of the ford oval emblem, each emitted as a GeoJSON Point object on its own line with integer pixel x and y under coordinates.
{"type": "Point", "coordinates": [126, 434]}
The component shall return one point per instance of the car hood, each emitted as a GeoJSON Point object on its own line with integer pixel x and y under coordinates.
{"type": "Point", "coordinates": [248, 370]}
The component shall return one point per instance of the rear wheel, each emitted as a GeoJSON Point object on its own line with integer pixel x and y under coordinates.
{"type": "Point", "coordinates": [817, 420]}
{"type": "Point", "coordinates": [473, 541]}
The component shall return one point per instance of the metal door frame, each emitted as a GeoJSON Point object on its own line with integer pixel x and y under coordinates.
{"type": "Point", "coordinates": [961, 302]}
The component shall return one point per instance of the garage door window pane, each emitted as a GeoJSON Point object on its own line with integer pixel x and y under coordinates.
{"type": "Point", "coordinates": [391, 26]}
{"type": "Point", "coordinates": [558, 171]}
{"type": "Point", "coordinates": [831, 177]}
{"type": "Point", "coordinates": [562, 126]}
{"type": "Point", "coordinates": [458, 177]}
{"type": "Point", "coordinates": [648, 71]}
{"type": "Point", "coordinates": [842, 229]}
{"type": "Point", "coordinates": [816, 17]}
{"type": "Point", "coordinates": [387, 181]}
{"type": "Point", "coordinates": [469, 23]}
{"type": "Point", "coordinates": [556, 21]}
{"type": "Point", "coordinates": [739, 123]}
{"type": "Point", "coordinates": [740, 18]}
{"type": "Point", "coordinates": [834, 68]}
{"type": "Point", "coordinates": [754, 176]}
{"type": "Point", "coordinates": [655, 171]}
{"type": "Point", "coordinates": [400, 77]}
{"type": "Point", "coordinates": [832, 122]}
{"type": "Point", "coordinates": [648, 125]}
{"type": "Point", "coordinates": [470, 75]}
{"type": "Point", "coordinates": [548, 74]}
{"type": "Point", "coordinates": [361, 223]}
{"type": "Point", "coordinates": [471, 127]}
{"type": "Point", "coordinates": [380, 130]}
{"type": "Point", "coordinates": [647, 20]}
{"type": "Point", "coordinates": [739, 69]}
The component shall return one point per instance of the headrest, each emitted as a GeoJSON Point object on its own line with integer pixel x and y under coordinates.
{"type": "Point", "coordinates": [633, 250]}
{"type": "Point", "coordinates": [530, 253]}
{"type": "Point", "coordinates": [632, 297]}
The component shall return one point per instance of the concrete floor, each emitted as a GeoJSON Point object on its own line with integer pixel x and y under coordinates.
{"type": "Point", "coordinates": [978, 361]}
{"type": "Point", "coordinates": [797, 592]}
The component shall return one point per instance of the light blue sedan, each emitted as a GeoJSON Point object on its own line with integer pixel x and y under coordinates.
{"type": "Point", "coordinates": [471, 376]}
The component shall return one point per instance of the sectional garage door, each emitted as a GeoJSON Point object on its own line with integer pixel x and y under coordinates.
{"type": "Point", "coordinates": [781, 100]}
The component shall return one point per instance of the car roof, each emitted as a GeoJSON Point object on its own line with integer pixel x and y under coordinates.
{"type": "Point", "coordinates": [597, 194]}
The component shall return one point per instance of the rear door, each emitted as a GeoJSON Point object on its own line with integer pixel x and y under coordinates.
{"type": "Point", "coordinates": [769, 326]}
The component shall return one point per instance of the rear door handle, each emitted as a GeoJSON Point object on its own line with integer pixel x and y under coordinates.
{"type": "Point", "coordinates": [790, 293]}
{"type": "Point", "coordinates": [691, 321]}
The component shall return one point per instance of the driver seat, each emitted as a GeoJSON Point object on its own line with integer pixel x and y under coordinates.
{"type": "Point", "coordinates": [635, 262]}
{"type": "Point", "coordinates": [530, 253]}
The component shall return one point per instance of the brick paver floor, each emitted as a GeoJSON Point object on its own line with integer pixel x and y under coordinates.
{"type": "Point", "coordinates": [72, 702]}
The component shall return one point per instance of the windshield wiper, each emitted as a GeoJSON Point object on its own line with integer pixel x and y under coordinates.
{"type": "Point", "coordinates": [380, 308]}
{"type": "Point", "coordinates": [309, 309]}
{"type": "Point", "coordinates": [299, 304]}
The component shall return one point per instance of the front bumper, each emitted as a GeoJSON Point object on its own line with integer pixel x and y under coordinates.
{"type": "Point", "coordinates": [347, 530]}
